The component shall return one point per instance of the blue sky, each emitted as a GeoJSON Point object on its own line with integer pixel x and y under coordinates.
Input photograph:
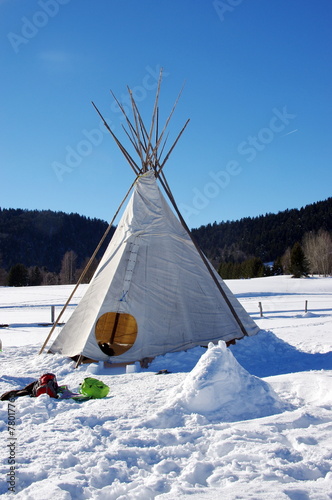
{"type": "Point", "coordinates": [258, 83]}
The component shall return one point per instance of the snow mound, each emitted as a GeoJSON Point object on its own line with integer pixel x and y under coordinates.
{"type": "Point", "coordinates": [219, 389]}
{"type": "Point", "coordinates": [219, 383]}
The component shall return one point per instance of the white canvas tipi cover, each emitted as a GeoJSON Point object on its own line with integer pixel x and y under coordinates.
{"type": "Point", "coordinates": [151, 293]}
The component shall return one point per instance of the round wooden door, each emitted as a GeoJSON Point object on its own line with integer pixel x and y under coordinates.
{"type": "Point", "coordinates": [116, 333]}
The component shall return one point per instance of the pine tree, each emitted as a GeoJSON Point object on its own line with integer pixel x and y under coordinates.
{"type": "Point", "coordinates": [277, 268]}
{"type": "Point", "coordinates": [3, 276]}
{"type": "Point", "coordinates": [18, 276]}
{"type": "Point", "coordinates": [35, 276]}
{"type": "Point", "coordinates": [298, 262]}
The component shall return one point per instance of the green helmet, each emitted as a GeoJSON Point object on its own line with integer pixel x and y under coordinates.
{"type": "Point", "coordinates": [93, 388]}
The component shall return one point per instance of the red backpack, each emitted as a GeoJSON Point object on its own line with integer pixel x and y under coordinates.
{"type": "Point", "coordinates": [46, 384]}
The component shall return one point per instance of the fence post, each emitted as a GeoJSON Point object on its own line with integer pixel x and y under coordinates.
{"type": "Point", "coordinates": [260, 308]}
{"type": "Point", "coordinates": [306, 306]}
{"type": "Point", "coordinates": [52, 313]}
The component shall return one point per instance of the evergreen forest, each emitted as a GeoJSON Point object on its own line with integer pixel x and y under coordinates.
{"type": "Point", "coordinates": [46, 247]}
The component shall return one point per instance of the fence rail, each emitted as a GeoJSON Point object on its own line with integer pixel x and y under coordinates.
{"type": "Point", "coordinates": [279, 306]}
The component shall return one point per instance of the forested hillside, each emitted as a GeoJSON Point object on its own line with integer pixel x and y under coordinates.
{"type": "Point", "coordinates": [52, 247]}
{"type": "Point", "coordinates": [42, 238]}
{"type": "Point", "coordinates": [266, 237]}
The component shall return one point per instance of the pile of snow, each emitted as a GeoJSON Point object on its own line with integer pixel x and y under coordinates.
{"type": "Point", "coordinates": [221, 390]}
{"type": "Point", "coordinates": [219, 387]}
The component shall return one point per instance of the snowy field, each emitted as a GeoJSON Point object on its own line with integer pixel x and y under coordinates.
{"type": "Point", "coordinates": [250, 422]}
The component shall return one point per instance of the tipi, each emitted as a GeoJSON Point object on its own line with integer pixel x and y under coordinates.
{"type": "Point", "coordinates": [154, 291]}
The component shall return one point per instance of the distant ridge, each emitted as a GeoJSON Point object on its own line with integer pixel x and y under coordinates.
{"type": "Point", "coordinates": [266, 236]}
{"type": "Point", "coordinates": [42, 237]}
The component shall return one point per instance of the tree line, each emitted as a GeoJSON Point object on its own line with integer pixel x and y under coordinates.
{"type": "Point", "coordinates": [20, 275]}
{"type": "Point", "coordinates": [42, 237]}
{"type": "Point", "coordinates": [266, 236]}
{"type": "Point", "coordinates": [312, 256]}
{"type": "Point", "coordinates": [262, 246]}
{"type": "Point", "coordinates": [35, 245]}
{"type": "Point", "coordinates": [46, 248]}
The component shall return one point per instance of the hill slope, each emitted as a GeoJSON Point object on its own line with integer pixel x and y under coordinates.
{"type": "Point", "coordinates": [41, 238]}
{"type": "Point", "coordinates": [267, 236]}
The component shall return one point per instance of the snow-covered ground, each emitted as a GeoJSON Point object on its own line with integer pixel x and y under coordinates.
{"type": "Point", "coordinates": [250, 422]}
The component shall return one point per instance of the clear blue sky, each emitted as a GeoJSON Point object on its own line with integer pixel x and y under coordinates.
{"type": "Point", "coordinates": [258, 85]}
